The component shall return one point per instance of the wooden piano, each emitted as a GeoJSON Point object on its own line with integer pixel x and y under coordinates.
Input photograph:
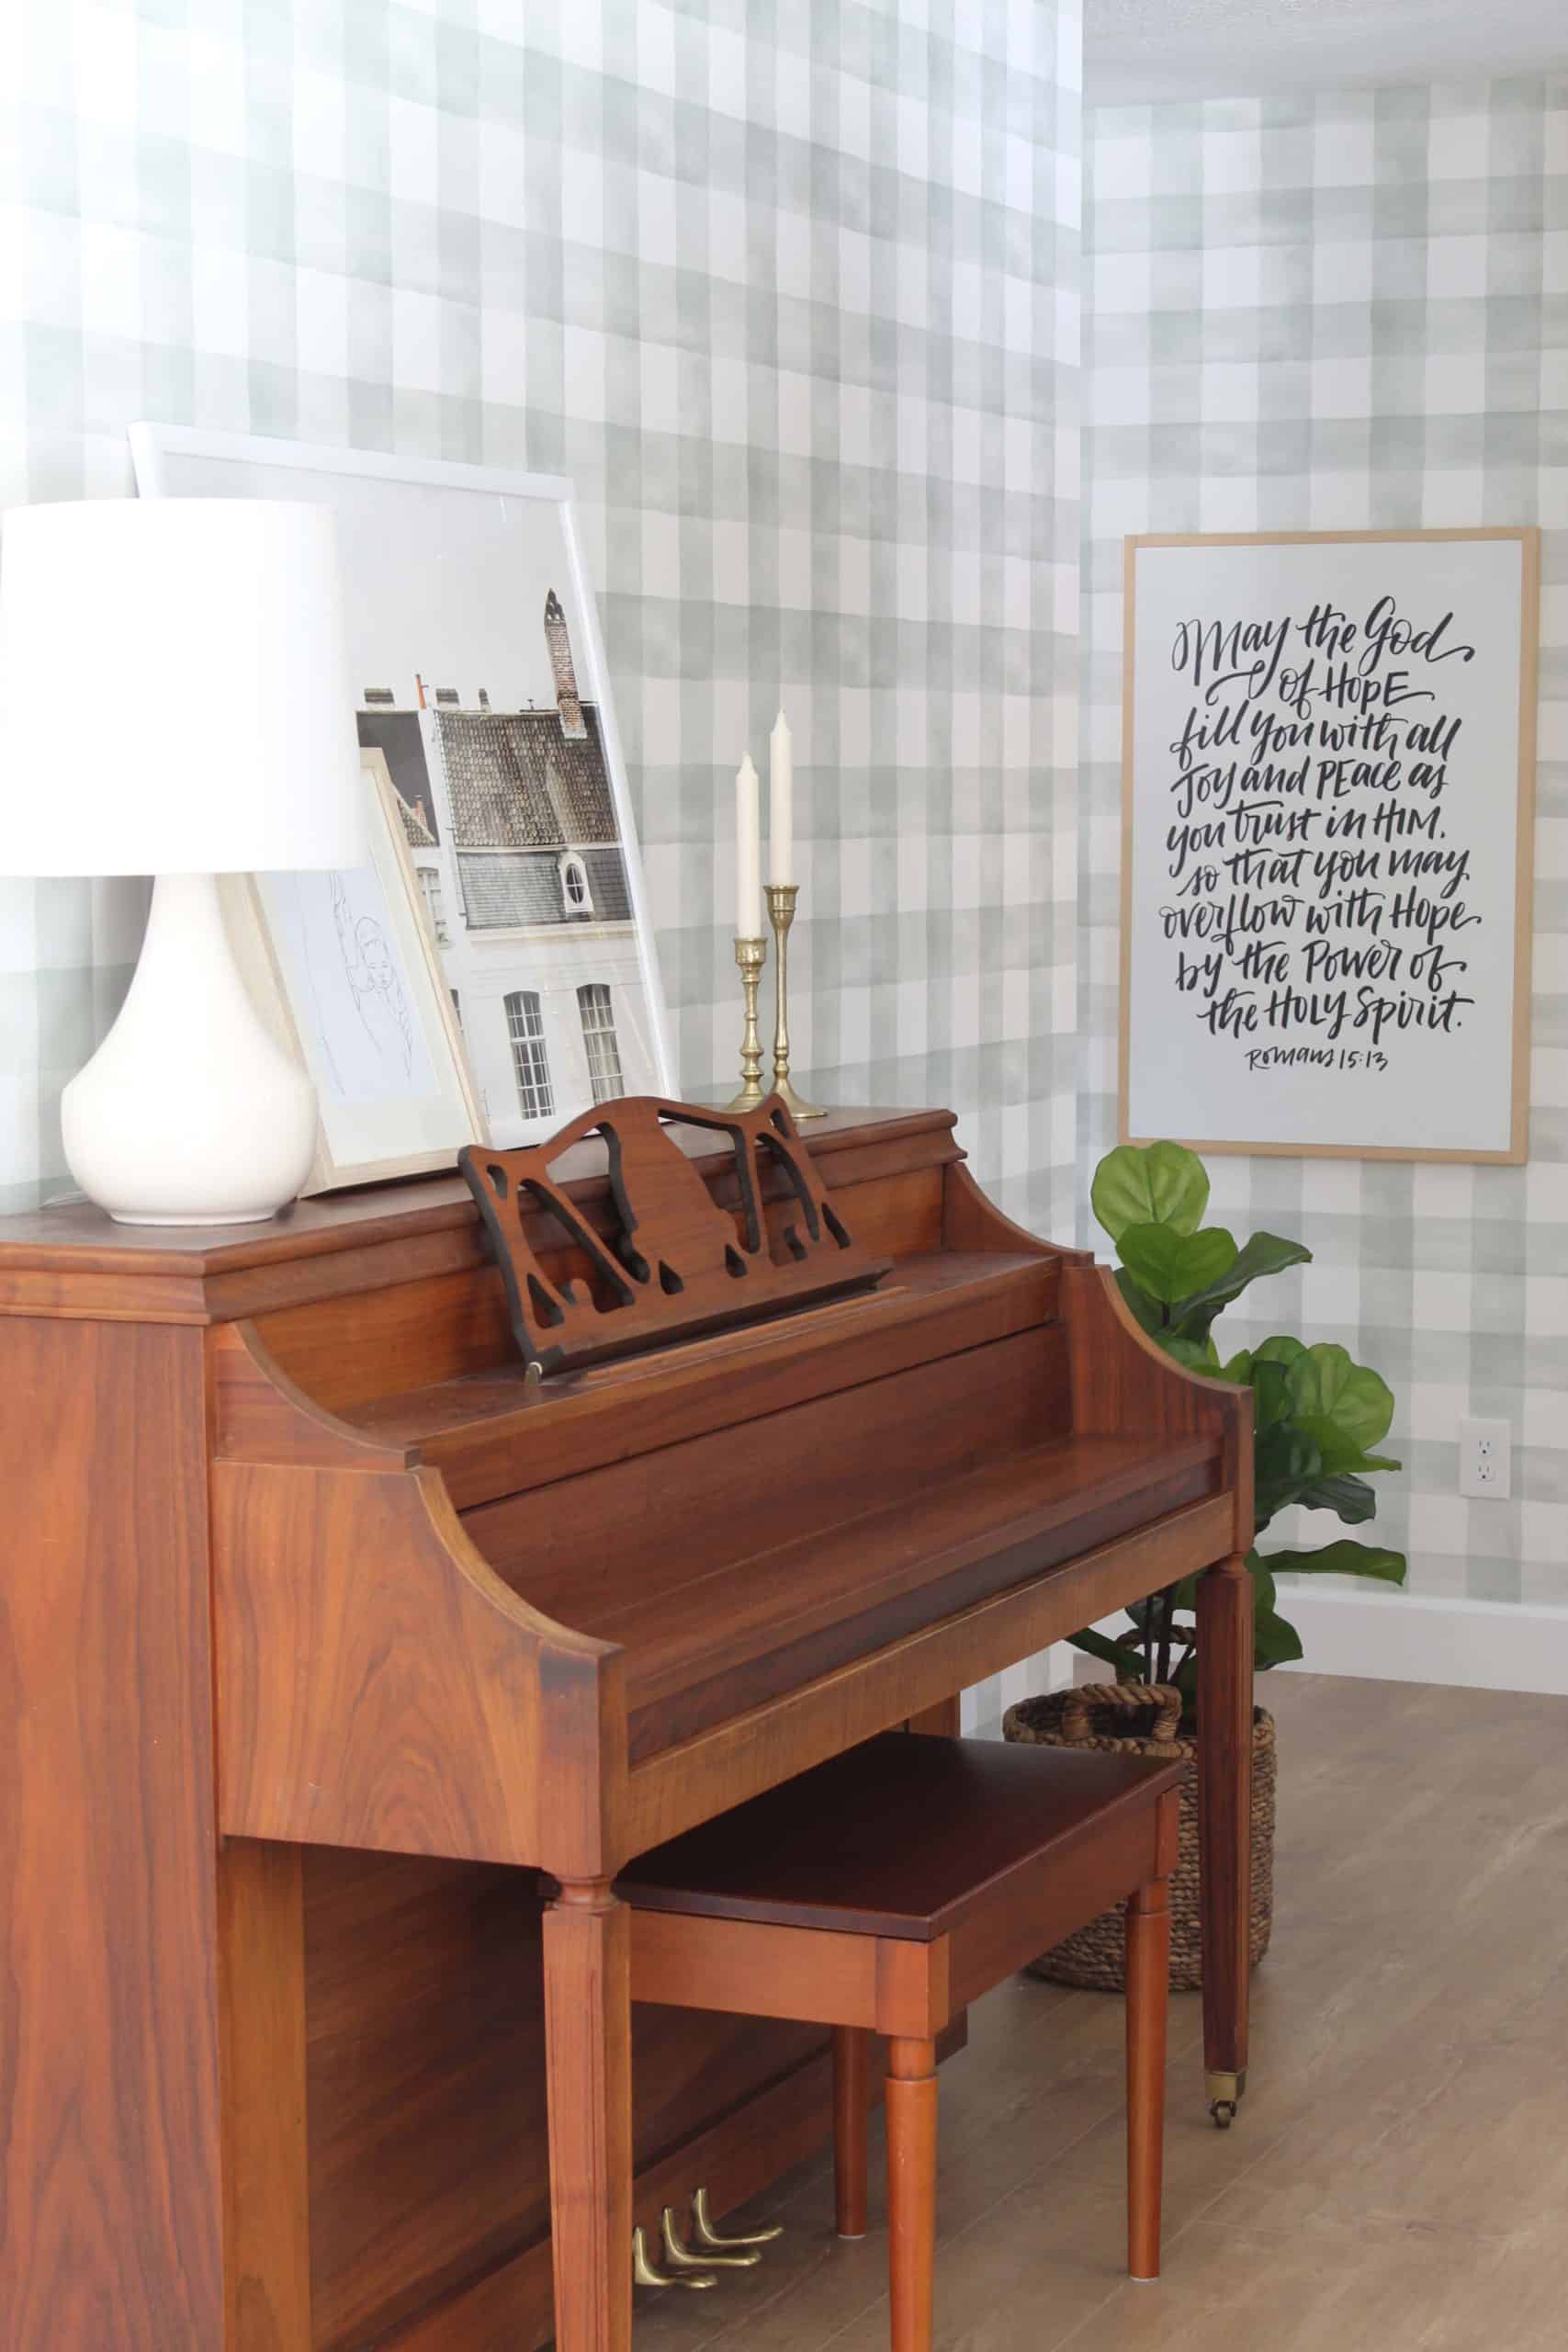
{"type": "Point", "coordinates": [344, 1663]}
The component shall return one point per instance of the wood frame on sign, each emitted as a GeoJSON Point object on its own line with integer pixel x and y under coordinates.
{"type": "Point", "coordinates": [1529, 538]}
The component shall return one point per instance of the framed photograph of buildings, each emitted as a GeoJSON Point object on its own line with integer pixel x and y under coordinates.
{"type": "Point", "coordinates": [344, 967]}
{"type": "Point", "coordinates": [481, 681]}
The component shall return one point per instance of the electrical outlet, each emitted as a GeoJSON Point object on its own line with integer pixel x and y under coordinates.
{"type": "Point", "coordinates": [1485, 1459]}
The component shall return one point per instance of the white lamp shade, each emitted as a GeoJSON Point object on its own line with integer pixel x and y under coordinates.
{"type": "Point", "coordinates": [175, 691]}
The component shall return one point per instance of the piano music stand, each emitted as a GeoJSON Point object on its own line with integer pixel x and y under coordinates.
{"type": "Point", "coordinates": [678, 1264]}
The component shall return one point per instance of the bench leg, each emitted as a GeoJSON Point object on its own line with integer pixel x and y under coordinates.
{"type": "Point", "coordinates": [911, 2191]}
{"type": "Point", "coordinates": [852, 2054]}
{"type": "Point", "coordinates": [1149, 1996]}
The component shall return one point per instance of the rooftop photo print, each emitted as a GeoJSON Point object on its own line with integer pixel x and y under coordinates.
{"type": "Point", "coordinates": [481, 685]}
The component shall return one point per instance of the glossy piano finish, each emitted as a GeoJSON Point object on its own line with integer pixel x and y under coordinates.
{"type": "Point", "coordinates": [388, 1633]}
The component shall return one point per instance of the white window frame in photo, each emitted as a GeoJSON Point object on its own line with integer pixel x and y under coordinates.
{"type": "Point", "coordinates": [600, 1034]}
{"type": "Point", "coordinates": [572, 861]}
{"type": "Point", "coordinates": [538, 1050]}
{"type": "Point", "coordinates": [434, 904]}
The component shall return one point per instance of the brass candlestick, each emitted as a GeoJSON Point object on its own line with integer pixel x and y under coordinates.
{"type": "Point", "coordinates": [781, 914]}
{"type": "Point", "coordinates": [750, 954]}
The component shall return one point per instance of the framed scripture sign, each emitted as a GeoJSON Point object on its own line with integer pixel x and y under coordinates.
{"type": "Point", "coordinates": [1328, 755]}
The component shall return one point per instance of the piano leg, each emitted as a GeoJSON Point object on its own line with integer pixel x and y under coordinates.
{"type": "Point", "coordinates": [587, 2057]}
{"type": "Point", "coordinates": [943, 1719]}
{"type": "Point", "coordinates": [1225, 1824]}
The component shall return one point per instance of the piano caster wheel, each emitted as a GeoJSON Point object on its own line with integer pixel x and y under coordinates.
{"type": "Point", "coordinates": [679, 2257]}
{"type": "Point", "coordinates": [1224, 2097]}
{"type": "Point", "coordinates": [644, 2273]}
{"type": "Point", "coordinates": [708, 2239]}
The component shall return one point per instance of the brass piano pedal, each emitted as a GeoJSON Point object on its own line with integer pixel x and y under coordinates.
{"type": "Point", "coordinates": [644, 2273]}
{"type": "Point", "coordinates": [679, 2257]}
{"type": "Point", "coordinates": [708, 2240]}
{"type": "Point", "coordinates": [1224, 2097]}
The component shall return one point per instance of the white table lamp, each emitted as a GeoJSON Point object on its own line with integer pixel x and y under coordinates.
{"type": "Point", "coordinates": [175, 700]}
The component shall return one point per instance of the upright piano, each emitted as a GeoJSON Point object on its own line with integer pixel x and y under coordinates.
{"type": "Point", "coordinates": [344, 1662]}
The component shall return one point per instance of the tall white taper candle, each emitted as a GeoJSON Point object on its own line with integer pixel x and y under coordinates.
{"type": "Point", "coordinates": [748, 853]}
{"type": "Point", "coordinates": [781, 802]}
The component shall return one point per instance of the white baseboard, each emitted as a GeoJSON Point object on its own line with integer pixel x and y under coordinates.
{"type": "Point", "coordinates": [1380, 1636]}
{"type": "Point", "coordinates": [1422, 1637]}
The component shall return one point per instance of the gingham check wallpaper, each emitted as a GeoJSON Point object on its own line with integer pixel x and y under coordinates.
{"type": "Point", "coordinates": [790, 288]}
{"type": "Point", "coordinates": [1351, 312]}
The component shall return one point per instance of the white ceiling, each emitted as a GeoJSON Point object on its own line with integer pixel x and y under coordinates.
{"type": "Point", "coordinates": [1136, 49]}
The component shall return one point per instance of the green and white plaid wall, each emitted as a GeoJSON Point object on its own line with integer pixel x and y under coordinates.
{"type": "Point", "coordinates": [790, 288]}
{"type": "Point", "coordinates": [1352, 311]}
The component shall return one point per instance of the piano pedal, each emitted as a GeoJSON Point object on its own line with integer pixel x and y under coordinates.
{"type": "Point", "coordinates": [644, 2273]}
{"type": "Point", "coordinates": [709, 2241]}
{"type": "Point", "coordinates": [679, 2257]}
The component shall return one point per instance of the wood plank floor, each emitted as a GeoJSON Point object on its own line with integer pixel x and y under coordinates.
{"type": "Point", "coordinates": [1398, 2180]}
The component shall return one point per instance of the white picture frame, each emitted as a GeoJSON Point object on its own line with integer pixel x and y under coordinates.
{"type": "Point", "coordinates": [545, 937]}
{"type": "Point", "coordinates": [344, 970]}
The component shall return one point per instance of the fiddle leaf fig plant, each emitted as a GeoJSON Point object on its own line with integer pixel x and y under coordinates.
{"type": "Point", "coordinates": [1318, 1416]}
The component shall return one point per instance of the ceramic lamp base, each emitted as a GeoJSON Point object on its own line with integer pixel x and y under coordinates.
{"type": "Point", "coordinates": [189, 1112]}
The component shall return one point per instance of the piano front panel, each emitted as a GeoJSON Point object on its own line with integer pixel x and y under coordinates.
{"type": "Point", "coordinates": [425, 2086]}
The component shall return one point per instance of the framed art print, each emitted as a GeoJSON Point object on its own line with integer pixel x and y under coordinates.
{"type": "Point", "coordinates": [1328, 761]}
{"type": "Point", "coordinates": [480, 678]}
{"type": "Point", "coordinates": [343, 968]}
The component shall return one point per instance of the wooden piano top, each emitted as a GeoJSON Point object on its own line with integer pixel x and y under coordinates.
{"type": "Point", "coordinates": [75, 1260]}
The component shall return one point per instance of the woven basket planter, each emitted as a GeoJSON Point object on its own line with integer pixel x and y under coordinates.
{"type": "Point", "coordinates": [1104, 1715]}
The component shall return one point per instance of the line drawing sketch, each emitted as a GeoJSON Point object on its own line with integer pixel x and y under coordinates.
{"type": "Point", "coordinates": [374, 980]}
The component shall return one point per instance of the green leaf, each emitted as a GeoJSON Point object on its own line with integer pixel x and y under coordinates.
{"type": "Point", "coordinates": [1265, 1378]}
{"type": "Point", "coordinates": [1343, 1557]}
{"type": "Point", "coordinates": [1352, 1498]}
{"type": "Point", "coordinates": [1344, 1406]}
{"type": "Point", "coordinates": [1197, 1355]}
{"type": "Point", "coordinates": [1171, 1265]}
{"type": "Point", "coordinates": [1275, 1641]}
{"type": "Point", "coordinates": [1146, 1310]}
{"type": "Point", "coordinates": [1272, 1395]}
{"type": "Point", "coordinates": [1281, 1348]}
{"type": "Point", "coordinates": [1265, 1253]}
{"type": "Point", "coordinates": [1128, 1664]}
{"type": "Point", "coordinates": [1286, 1465]}
{"type": "Point", "coordinates": [1156, 1183]}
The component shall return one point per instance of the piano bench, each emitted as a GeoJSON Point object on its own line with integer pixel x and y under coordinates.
{"type": "Point", "coordinates": [882, 1892]}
